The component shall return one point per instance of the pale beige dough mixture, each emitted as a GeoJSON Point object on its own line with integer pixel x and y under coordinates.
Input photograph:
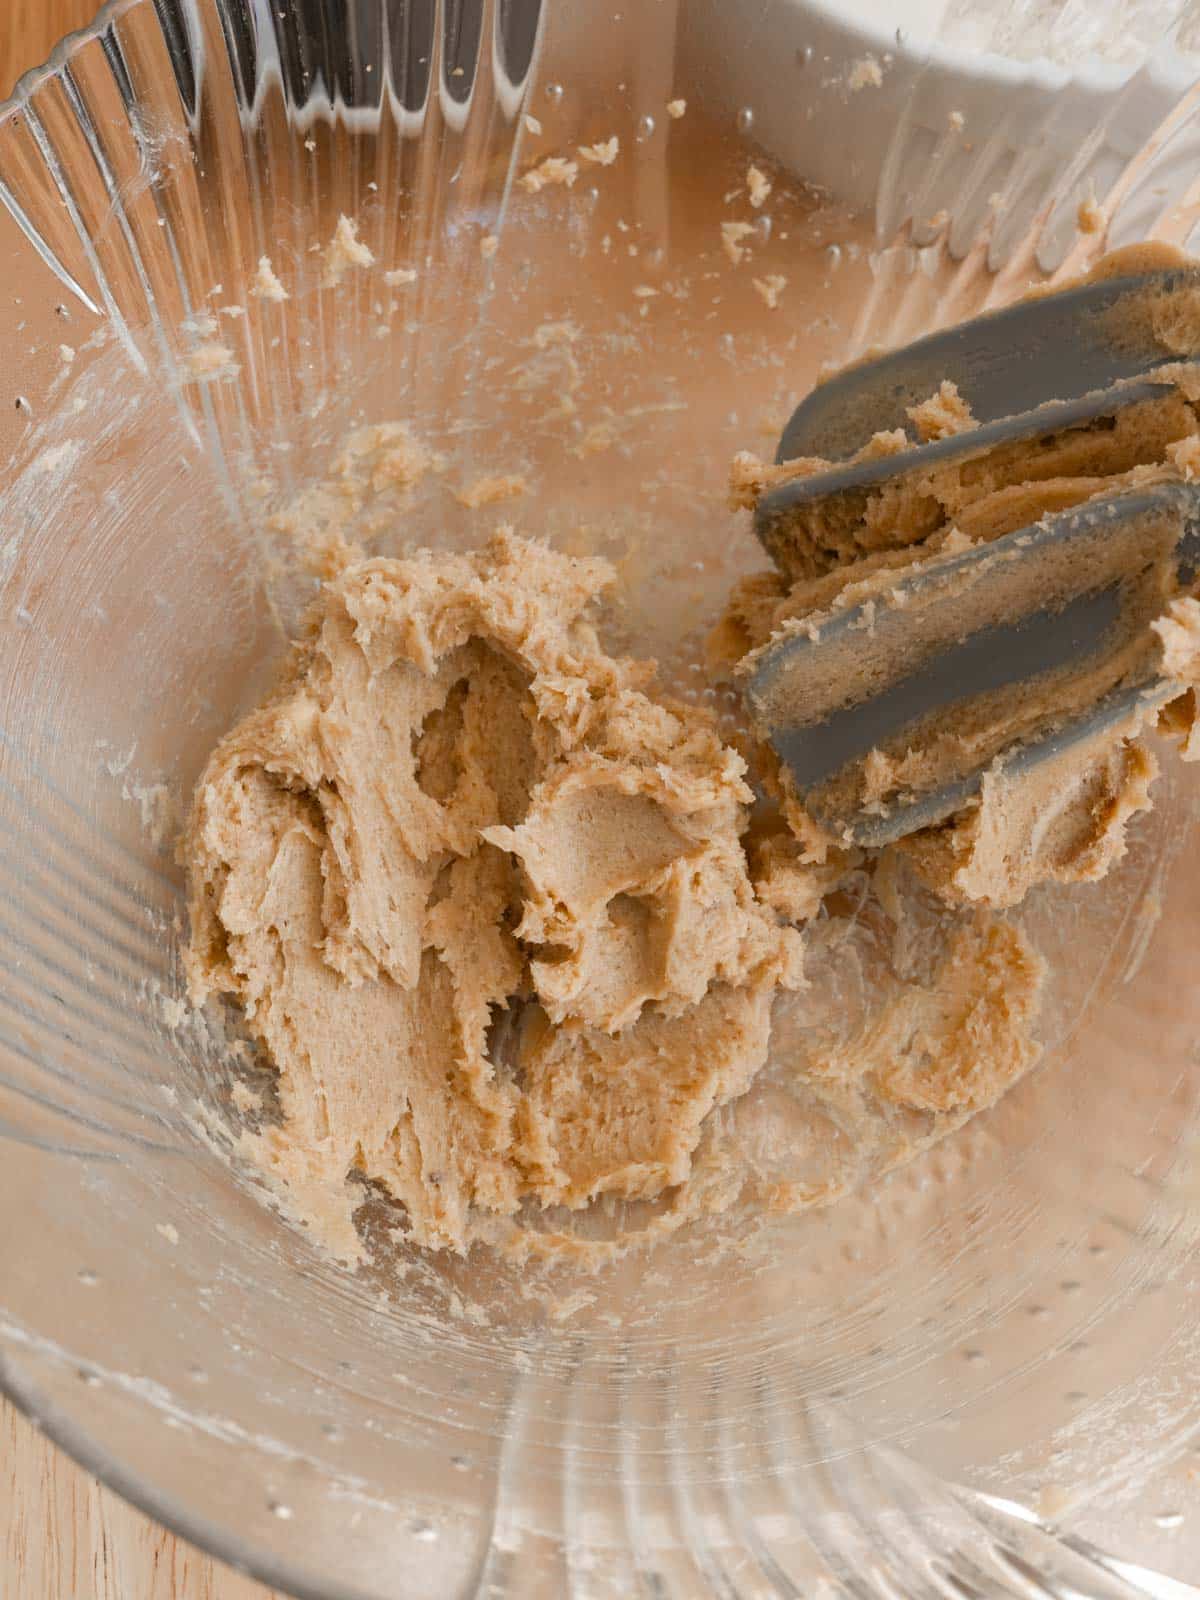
{"type": "Point", "coordinates": [506, 922]}
{"type": "Point", "coordinates": [456, 809]}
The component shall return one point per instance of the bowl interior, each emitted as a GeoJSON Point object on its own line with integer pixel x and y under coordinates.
{"type": "Point", "coordinates": [1008, 1315]}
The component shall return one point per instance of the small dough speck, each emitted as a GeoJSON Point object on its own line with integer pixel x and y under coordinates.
{"type": "Point", "coordinates": [866, 73]}
{"type": "Point", "coordinates": [770, 288]}
{"type": "Point", "coordinates": [942, 415]}
{"type": "Point", "coordinates": [601, 154]}
{"type": "Point", "coordinates": [343, 252]}
{"type": "Point", "coordinates": [732, 235]}
{"type": "Point", "coordinates": [209, 361]}
{"type": "Point", "coordinates": [266, 284]}
{"type": "Point", "coordinates": [758, 185]}
{"type": "Point", "coordinates": [553, 170]}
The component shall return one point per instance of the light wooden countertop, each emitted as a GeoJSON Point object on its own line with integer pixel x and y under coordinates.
{"type": "Point", "coordinates": [63, 1537]}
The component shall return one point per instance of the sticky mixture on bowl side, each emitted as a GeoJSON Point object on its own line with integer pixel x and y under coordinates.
{"type": "Point", "coordinates": [509, 922]}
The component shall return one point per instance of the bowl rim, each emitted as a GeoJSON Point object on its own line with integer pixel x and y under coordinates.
{"type": "Point", "coordinates": [32, 79]}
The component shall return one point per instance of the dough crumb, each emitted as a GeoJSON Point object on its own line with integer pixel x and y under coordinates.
{"type": "Point", "coordinates": [792, 886]}
{"type": "Point", "coordinates": [532, 125]}
{"type": "Point", "coordinates": [266, 284]}
{"type": "Point", "coordinates": [489, 491]}
{"type": "Point", "coordinates": [676, 109]}
{"type": "Point", "coordinates": [488, 246]}
{"type": "Point", "coordinates": [375, 471]}
{"type": "Point", "coordinates": [770, 288]}
{"type": "Point", "coordinates": [758, 185]}
{"type": "Point", "coordinates": [396, 277]}
{"type": "Point", "coordinates": [390, 455]}
{"type": "Point", "coordinates": [601, 154]}
{"type": "Point", "coordinates": [554, 169]}
{"type": "Point", "coordinates": [1179, 631]}
{"type": "Point", "coordinates": [866, 73]}
{"type": "Point", "coordinates": [174, 1012]}
{"type": "Point", "coordinates": [343, 252]}
{"type": "Point", "coordinates": [200, 326]}
{"type": "Point", "coordinates": [941, 415]}
{"type": "Point", "coordinates": [732, 234]}
{"type": "Point", "coordinates": [66, 354]}
{"type": "Point", "coordinates": [750, 477]}
{"type": "Point", "coordinates": [168, 1230]}
{"type": "Point", "coordinates": [209, 362]}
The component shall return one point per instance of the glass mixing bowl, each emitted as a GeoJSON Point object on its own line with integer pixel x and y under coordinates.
{"type": "Point", "coordinates": [976, 1376]}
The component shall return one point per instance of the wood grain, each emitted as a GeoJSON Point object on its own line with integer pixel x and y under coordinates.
{"type": "Point", "coordinates": [31, 28]}
{"type": "Point", "coordinates": [63, 1537]}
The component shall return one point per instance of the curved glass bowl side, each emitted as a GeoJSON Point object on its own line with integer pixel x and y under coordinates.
{"type": "Point", "coordinates": [336, 1441]}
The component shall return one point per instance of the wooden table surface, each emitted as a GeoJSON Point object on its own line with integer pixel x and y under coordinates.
{"type": "Point", "coordinates": [63, 1537]}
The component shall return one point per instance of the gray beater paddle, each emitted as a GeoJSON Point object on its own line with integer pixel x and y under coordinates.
{"type": "Point", "coordinates": [1056, 614]}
